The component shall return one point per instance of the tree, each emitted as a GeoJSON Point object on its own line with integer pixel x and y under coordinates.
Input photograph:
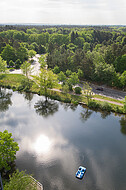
{"type": "Point", "coordinates": [46, 79]}
{"type": "Point", "coordinates": [61, 76]}
{"type": "Point", "coordinates": [73, 79]}
{"type": "Point", "coordinates": [120, 63]}
{"type": "Point", "coordinates": [11, 63]}
{"type": "Point", "coordinates": [56, 69]}
{"type": "Point", "coordinates": [8, 149]}
{"type": "Point", "coordinates": [123, 79]}
{"type": "Point", "coordinates": [17, 64]}
{"type": "Point", "coordinates": [104, 72]}
{"type": "Point", "coordinates": [87, 90]}
{"type": "Point", "coordinates": [26, 68]}
{"type": "Point", "coordinates": [8, 53]}
{"type": "Point", "coordinates": [20, 180]}
{"type": "Point", "coordinates": [22, 54]}
{"type": "Point", "coordinates": [3, 65]}
{"type": "Point", "coordinates": [42, 61]}
{"type": "Point", "coordinates": [41, 49]}
{"type": "Point", "coordinates": [80, 74]}
{"type": "Point", "coordinates": [68, 72]}
{"type": "Point", "coordinates": [31, 53]}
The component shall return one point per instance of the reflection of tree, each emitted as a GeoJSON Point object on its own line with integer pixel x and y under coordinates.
{"type": "Point", "coordinates": [28, 96]}
{"type": "Point", "coordinates": [69, 106]}
{"type": "Point", "coordinates": [104, 114]}
{"type": "Point", "coordinates": [85, 115]}
{"type": "Point", "coordinates": [46, 108]}
{"type": "Point", "coordinates": [5, 100]}
{"type": "Point", "coordinates": [123, 125]}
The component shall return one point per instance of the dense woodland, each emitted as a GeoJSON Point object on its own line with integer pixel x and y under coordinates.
{"type": "Point", "coordinates": [98, 53]}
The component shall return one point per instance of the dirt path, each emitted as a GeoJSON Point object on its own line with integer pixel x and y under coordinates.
{"type": "Point", "coordinates": [112, 102]}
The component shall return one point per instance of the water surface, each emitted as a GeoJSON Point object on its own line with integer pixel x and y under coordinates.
{"type": "Point", "coordinates": [56, 138]}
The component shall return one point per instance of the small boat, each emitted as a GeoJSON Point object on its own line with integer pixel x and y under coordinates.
{"type": "Point", "coordinates": [80, 173]}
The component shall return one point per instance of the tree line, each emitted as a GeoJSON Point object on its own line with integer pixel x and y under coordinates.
{"type": "Point", "coordinates": [99, 52]}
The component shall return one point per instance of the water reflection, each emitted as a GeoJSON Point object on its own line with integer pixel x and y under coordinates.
{"type": "Point", "coordinates": [104, 114]}
{"type": "Point", "coordinates": [52, 149]}
{"type": "Point", "coordinates": [85, 114]}
{"type": "Point", "coordinates": [67, 106]}
{"type": "Point", "coordinates": [123, 125]}
{"type": "Point", "coordinates": [5, 100]}
{"type": "Point", "coordinates": [42, 144]}
{"type": "Point", "coordinates": [46, 107]}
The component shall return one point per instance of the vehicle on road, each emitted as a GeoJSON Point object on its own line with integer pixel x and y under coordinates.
{"type": "Point", "coordinates": [99, 88]}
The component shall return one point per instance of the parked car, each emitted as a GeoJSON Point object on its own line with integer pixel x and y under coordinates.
{"type": "Point", "coordinates": [99, 88]}
{"type": "Point", "coordinates": [80, 173]}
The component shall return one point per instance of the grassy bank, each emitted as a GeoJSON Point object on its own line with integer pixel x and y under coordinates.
{"type": "Point", "coordinates": [14, 81]}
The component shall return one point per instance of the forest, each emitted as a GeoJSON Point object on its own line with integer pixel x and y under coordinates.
{"type": "Point", "coordinates": [96, 53]}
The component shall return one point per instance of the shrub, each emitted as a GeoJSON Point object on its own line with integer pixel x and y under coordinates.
{"type": "Point", "coordinates": [106, 106]}
{"type": "Point", "coordinates": [78, 90]}
{"type": "Point", "coordinates": [94, 105]}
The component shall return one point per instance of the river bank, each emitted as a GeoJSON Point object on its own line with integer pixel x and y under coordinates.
{"type": "Point", "coordinates": [14, 81]}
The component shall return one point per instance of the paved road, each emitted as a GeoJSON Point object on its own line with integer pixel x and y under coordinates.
{"type": "Point", "coordinates": [107, 91]}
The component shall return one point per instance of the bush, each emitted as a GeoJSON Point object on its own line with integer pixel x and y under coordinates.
{"type": "Point", "coordinates": [78, 90]}
{"type": "Point", "coordinates": [94, 105]}
{"type": "Point", "coordinates": [106, 106]}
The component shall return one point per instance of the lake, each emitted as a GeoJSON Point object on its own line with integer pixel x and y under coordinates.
{"type": "Point", "coordinates": [56, 138]}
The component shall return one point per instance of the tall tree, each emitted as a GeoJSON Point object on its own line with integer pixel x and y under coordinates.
{"type": "Point", "coordinates": [8, 149]}
{"type": "Point", "coordinates": [46, 79]}
{"type": "Point", "coordinates": [26, 68]}
{"type": "Point", "coordinates": [8, 53]}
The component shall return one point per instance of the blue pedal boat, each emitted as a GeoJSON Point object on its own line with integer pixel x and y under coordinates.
{"type": "Point", "coordinates": [80, 173]}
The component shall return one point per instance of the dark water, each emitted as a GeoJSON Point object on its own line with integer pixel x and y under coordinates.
{"type": "Point", "coordinates": [55, 139]}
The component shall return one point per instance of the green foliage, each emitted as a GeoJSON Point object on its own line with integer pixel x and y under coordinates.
{"type": "Point", "coordinates": [123, 79]}
{"type": "Point", "coordinates": [31, 53]}
{"type": "Point", "coordinates": [125, 105]}
{"type": "Point", "coordinates": [22, 54]}
{"type": "Point", "coordinates": [87, 91]}
{"type": "Point", "coordinates": [65, 88]}
{"type": "Point", "coordinates": [73, 79]}
{"type": "Point", "coordinates": [46, 79]}
{"type": "Point", "coordinates": [8, 53]}
{"type": "Point", "coordinates": [104, 72]}
{"type": "Point", "coordinates": [92, 50]}
{"type": "Point", "coordinates": [11, 63]}
{"type": "Point", "coordinates": [3, 65]}
{"type": "Point", "coordinates": [26, 85]}
{"type": "Point", "coordinates": [42, 61]}
{"type": "Point", "coordinates": [68, 72]}
{"type": "Point", "coordinates": [56, 69]}
{"type": "Point", "coordinates": [26, 68]}
{"type": "Point", "coordinates": [78, 90]}
{"type": "Point", "coordinates": [61, 76]}
{"type": "Point", "coordinates": [80, 74]}
{"type": "Point", "coordinates": [120, 63]}
{"type": "Point", "coordinates": [17, 64]}
{"type": "Point", "coordinates": [8, 149]}
{"type": "Point", "coordinates": [20, 181]}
